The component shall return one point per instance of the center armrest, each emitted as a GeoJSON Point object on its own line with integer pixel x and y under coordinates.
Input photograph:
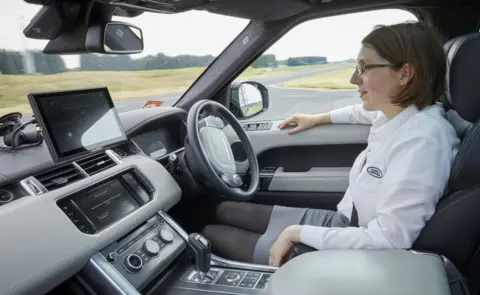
{"type": "Point", "coordinates": [372, 272]}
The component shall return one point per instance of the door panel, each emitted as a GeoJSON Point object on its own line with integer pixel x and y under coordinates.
{"type": "Point", "coordinates": [308, 169]}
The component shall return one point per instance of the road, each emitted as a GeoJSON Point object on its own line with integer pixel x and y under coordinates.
{"type": "Point", "coordinates": [283, 101]}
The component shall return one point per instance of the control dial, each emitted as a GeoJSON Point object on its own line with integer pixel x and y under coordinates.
{"type": "Point", "coordinates": [232, 277]}
{"type": "Point", "coordinates": [5, 196]}
{"type": "Point", "coordinates": [166, 236]}
{"type": "Point", "coordinates": [111, 257]}
{"type": "Point", "coordinates": [133, 263]}
{"type": "Point", "coordinates": [151, 248]}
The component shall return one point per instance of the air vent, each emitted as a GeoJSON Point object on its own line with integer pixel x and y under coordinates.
{"type": "Point", "coordinates": [59, 177]}
{"type": "Point", "coordinates": [96, 163]}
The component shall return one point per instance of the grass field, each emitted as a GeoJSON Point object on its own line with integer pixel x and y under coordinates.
{"type": "Point", "coordinates": [336, 80]}
{"type": "Point", "coordinates": [122, 85]}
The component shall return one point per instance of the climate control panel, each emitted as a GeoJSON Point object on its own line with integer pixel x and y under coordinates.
{"type": "Point", "coordinates": [146, 252]}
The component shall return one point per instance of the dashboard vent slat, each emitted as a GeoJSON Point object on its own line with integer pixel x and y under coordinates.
{"type": "Point", "coordinates": [96, 163]}
{"type": "Point", "coordinates": [59, 177]}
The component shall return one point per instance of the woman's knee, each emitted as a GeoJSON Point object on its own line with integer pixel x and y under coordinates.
{"type": "Point", "coordinates": [209, 231]}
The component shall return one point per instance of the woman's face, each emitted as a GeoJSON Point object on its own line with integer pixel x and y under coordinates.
{"type": "Point", "coordinates": [376, 85]}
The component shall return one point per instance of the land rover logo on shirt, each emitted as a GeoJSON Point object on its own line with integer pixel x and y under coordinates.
{"type": "Point", "coordinates": [375, 172]}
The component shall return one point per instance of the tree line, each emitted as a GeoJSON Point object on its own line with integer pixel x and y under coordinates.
{"type": "Point", "coordinates": [270, 60]}
{"type": "Point", "coordinates": [12, 62]}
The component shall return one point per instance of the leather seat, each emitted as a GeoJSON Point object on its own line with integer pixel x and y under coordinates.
{"type": "Point", "coordinates": [454, 229]}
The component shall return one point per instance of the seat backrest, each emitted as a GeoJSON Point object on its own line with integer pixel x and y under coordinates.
{"type": "Point", "coordinates": [454, 229]}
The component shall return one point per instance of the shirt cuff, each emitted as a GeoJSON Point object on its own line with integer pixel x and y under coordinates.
{"type": "Point", "coordinates": [313, 236]}
{"type": "Point", "coordinates": [341, 115]}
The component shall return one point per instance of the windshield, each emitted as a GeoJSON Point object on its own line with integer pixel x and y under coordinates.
{"type": "Point", "coordinates": [177, 50]}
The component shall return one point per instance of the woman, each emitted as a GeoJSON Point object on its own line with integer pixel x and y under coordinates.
{"type": "Point", "coordinates": [394, 184]}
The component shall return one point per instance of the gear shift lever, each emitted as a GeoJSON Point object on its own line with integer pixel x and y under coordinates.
{"type": "Point", "coordinates": [202, 251]}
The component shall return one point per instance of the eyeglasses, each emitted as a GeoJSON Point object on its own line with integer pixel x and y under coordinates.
{"type": "Point", "coordinates": [360, 69]}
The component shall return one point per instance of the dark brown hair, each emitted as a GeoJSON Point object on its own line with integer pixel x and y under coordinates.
{"type": "Point", "coordinates": [419, 45]}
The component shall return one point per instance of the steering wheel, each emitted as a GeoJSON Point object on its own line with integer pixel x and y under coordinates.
{"type": "Point", "coordinates": [209, 154]}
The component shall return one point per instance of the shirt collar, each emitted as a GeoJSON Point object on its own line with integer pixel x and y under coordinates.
{"type": "Point", "coordinates": [382, 127]}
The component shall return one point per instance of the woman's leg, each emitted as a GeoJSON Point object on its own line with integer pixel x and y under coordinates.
{"type": "Point", "coordinates": [248, 231]}
{"type": "Point", "coordinates": [247, 216]}
{"type": "Point", "coordinates": [241, 225]}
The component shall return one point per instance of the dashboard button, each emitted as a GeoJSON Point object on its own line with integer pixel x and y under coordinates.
{"type": "Point", "coordinates": [122, 249]}
{"type": "Point", "coordinates": [151, 248]}
{"type": "Point", "coordinates": [166, 236]}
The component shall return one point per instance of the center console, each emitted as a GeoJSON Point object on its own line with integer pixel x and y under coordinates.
{"type": "Point", "coordinates": [158, 257]}
{"type": "Point", "coordinates": [132, 262]}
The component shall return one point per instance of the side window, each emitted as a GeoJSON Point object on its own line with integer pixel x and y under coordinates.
{"type": "Point", "coordinates": [309, 68]}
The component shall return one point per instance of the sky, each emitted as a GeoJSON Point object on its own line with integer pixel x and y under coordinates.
{"type": "Point", "coordinates": [201, 33]}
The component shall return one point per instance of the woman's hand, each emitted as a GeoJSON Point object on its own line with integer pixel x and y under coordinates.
{"type": "Point", "coordinates": [282, 247]}
{"type": "Point", "coordinates": [302, 122]}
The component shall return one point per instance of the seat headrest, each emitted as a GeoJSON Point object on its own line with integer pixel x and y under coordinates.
{"type": "Point", "coordinates": [463, 99]}
{"type": "Point", "coordinates": [463, 71]}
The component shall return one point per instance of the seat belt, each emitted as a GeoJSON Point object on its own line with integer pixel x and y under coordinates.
{"type": "Point", "coordinates": [354, 216]}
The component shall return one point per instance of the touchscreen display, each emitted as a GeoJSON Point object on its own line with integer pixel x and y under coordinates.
{"type": "Point", "coordinates": [106, 204]}
{"type": "Point", "coordinates": [78, 121]}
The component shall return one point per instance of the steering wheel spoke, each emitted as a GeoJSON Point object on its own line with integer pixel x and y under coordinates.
{"type": "Point", "coordinates": [211, 121]}
{"type": "Point", "coordinates": [232, 180]}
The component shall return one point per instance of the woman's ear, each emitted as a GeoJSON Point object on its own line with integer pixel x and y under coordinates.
{"type": "Point", "coordinates": [406, 74]}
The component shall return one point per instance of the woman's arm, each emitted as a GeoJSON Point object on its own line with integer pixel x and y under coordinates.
{"type": "Point", "coordinates": [354, 114]}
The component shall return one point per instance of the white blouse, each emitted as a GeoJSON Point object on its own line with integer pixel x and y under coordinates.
{"type": "Point", "coordinates": [395, 183]}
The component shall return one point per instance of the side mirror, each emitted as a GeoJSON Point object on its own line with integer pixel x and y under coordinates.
{"type": "Point", "coordinates": [248, 99]}
{"type": "Point", "coordinates": [114, 38]}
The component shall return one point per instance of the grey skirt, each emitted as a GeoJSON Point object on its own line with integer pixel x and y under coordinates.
{"type": "Point", "coordinates": [282, 217]}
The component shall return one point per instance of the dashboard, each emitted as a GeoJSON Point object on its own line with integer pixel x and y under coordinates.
{"type": "Point", "coordinates": [58, 215]}
{"type": "Point", "coordinates": [152, 132]}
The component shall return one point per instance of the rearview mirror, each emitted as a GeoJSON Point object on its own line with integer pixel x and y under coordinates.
{"type": "Point", "coordinates": [248, 99]}
{"type": "Point", "coordinates": [114, 38]}
{"type": "Point", "coordinates": [120, 38]}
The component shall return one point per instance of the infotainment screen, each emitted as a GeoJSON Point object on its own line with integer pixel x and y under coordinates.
{"type": "Point", "coordinates": [76, 122]}
{"type": "Point", "coordinates": [106, 204]}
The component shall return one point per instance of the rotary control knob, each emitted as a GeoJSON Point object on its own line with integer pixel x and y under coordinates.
{"type": "Point", "coordinates": [232, 277]}
{"type": "Point", "coordinates": [133, 263]}
{"type": "Point", "coordinates": [111, 257]}
{"type": "Point", "coordinates": [166, 236]}
{"type": "Point", "coordinates": [5, 196]}
{"type": "Point", "coordinates": [151, 248]}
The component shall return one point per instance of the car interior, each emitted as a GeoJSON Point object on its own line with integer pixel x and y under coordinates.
{"type": "Point", "coordinates": [113, 203]}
